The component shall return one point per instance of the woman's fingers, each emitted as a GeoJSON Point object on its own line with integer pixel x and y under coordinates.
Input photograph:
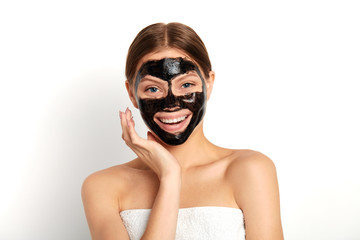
{"type": "Point", "coordinates": [125, 132]}
{"type": "Point", "coordinates": [134, 137]}
{"type": "Point", "coordinates": [131, 138]}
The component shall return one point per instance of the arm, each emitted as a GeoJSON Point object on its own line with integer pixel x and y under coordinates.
{"type": "Point", "coordinates": [163, 218]}
{"type": "Point", "coordinates": [256, 191]}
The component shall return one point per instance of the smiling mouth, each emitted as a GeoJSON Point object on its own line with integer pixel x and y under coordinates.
{"type": "Point", "coordinates": [173, 125]}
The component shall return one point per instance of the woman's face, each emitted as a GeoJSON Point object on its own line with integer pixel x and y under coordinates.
{"type": "Point", "coordinates": [170, 91]}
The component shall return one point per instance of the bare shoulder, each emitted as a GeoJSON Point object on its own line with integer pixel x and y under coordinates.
{"type": "Point", "coordinates": [106, 176]}
{"type": "Point", "coordinates": [116, 174]}
{"type": "Point", "coordinates": [251, 169]}
{"type": "Point", "coordinates": [108, 184]}
{"type": "Point", "coordinates": [246, 160]}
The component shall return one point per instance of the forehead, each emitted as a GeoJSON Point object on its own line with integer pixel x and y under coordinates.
{"type": "Point", "coordinates": [160, 54]}
{"type": "Point", "coordinates": [166, 68]}
{"type": "Point", "coordinates": [168, 52]}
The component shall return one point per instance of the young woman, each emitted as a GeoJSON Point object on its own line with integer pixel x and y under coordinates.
{"type": "Point", "coordinates": [181, 186]}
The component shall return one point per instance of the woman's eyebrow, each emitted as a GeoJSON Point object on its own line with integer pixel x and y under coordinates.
{"type": "Point", "coordinates": [149, 78]}
{"type": "Point", "coordinates": [188, 74]}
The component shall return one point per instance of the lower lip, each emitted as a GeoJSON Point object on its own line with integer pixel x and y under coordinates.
{"type": "Point", "coordinates": [175, 128]}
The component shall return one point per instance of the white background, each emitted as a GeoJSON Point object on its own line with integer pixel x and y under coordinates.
{"type": "Point", "coordinates": [287, 75]}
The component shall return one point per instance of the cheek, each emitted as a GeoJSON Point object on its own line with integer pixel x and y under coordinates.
{"type": "Point", "coordinates": [195, 103]}
{"type": "Point", "coordinates": [149, 107]}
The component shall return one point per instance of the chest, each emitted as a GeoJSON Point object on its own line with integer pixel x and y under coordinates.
{"type": "Point", "coordinates": [205, 186]}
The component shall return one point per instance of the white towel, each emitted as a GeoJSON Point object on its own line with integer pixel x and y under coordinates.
{"type": "Point", "coordinates": [195, 223]}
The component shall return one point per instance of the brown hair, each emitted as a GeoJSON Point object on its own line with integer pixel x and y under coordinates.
{"type": "Point", "coordinates": [161, 35]}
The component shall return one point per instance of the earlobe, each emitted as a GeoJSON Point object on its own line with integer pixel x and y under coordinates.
{"type": "Point", "coordinates": [130, 91]}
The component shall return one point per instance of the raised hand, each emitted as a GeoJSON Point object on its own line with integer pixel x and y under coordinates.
{"type": "Point", "coordinates": [148, 150]}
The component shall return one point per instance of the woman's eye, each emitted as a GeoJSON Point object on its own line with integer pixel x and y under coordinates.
{"type": "Point", "coordinates": [186, 85]}
{"type": "Point", "coordinates": [152, 89]}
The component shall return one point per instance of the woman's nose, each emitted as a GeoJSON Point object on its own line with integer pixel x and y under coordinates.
{"type": "Point", "coordinates": [171, 102]}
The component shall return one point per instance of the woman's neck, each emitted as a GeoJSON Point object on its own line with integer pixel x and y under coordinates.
{"type": "Point", "coordinates": [195, 151]}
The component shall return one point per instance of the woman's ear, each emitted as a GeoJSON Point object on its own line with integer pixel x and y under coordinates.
{"type": "Point", "coordinates": [209, 84]}
{"type": "Point", "coordinates": [130, 91]}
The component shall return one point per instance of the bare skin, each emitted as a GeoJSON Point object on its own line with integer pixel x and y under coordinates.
{"type": "Point", "coordinates": [165, 178]}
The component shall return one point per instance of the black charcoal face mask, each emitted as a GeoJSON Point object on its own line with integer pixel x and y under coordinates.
{"type": "Point", "coordinates": [167, 69]}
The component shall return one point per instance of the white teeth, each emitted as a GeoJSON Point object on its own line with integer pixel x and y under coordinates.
{"type": "Point", "coordinates": [164, 120]}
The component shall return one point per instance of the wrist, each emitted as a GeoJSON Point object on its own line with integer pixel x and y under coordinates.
{"type": "Point", "coordinates": [173, 177]}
